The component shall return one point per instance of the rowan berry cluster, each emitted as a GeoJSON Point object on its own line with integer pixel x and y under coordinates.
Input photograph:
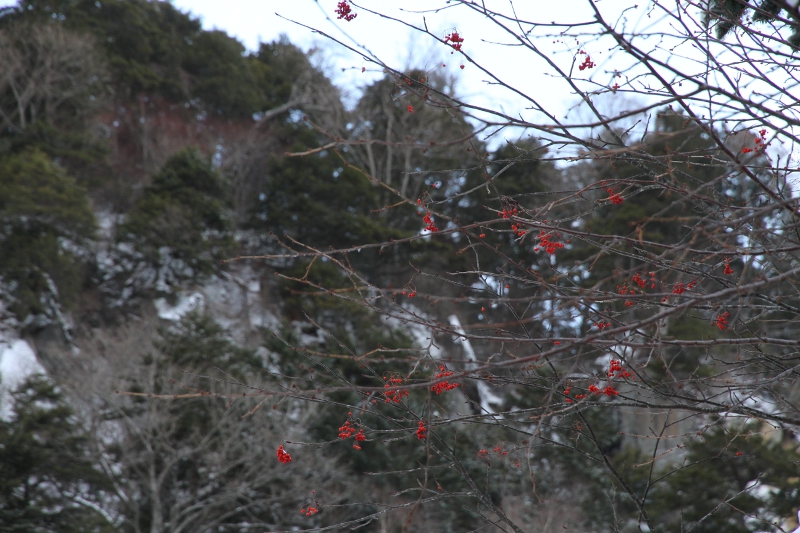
{"type": "Point", "coordinates": [616, 370]}
{"type": "Point", "coordinates": [761, 143]}
{"type": "Point", "coordinates": [421, 430]}
{"type": "Point", "coordinates": [454, 40]}
{"type": "Point", "coordinates": [394, 395]}
{"type": "Point", "coordinates": [310, 511]}
{"type": "Point", "coordinates": [544, 242]}
{"type": "Point", "coordinates": [722, 320]}
{"type": "Point", "coordinates": [344, 11]}
{"type": "Point", "coordinates": [640, 281]}
{"type": "Point", "coordinates": [587, 63]}
{"type": "Point", "coordinates": [614, 197]}
{"type": "Point", "coordinates": [283, 455]}
{"type": "Point", "coordinates": [608, 390]}
{"type": "Point", "coordinates": [443, 386]}
{"type": "Point", "coordinates": [602, 325]}
{"type": "Point", "coordinates": [593, 389]}
{"type": "Point", "coordinates": [429, 225]}
{"type": "Point", "coordinates": [624, 289]}
{"type": "Point", "coordinates": [508, 213]}
{"type": "Point", "coordinates": [728, 270]}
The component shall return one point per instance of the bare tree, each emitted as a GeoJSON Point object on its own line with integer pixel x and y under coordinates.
{"type": "Point", "coordinates": [48, 74]}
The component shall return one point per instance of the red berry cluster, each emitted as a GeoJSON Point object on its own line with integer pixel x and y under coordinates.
{"type": "Point", "coordinates": [508, 213]}
{"type": "Point", "coordinates": [311, 511]}
{"type": "Point", "coordinates": [722, 320]}
{"type": "Point", "coordinates": [347, 431]}
{"type": "Point", "coordinates": [593, 389]}
{"type": "Point", "coordinates": [608, 391]}
{"type": "Point", "coordinates": [443, 386]}
{"type": "Point", "coordinates": [410, 108]}
{"type": "Point", "coordinates": [761, 143]}
{"type": "Point", "coordinates": [283, 455]}
{"type": "Point", "coordinates": [602, 325]}
{"type": "Point", "coordinates": [394, 395]}
{"type": "Point", "coordinates": [499, 450]}
{"type": "Point", "coordinates": [614, 197]}
{"type": "Point", "coordinates": [549, 246]}
{"type": "Point", "coordinates": [454, 40]}
{"type": "Point", "coordinates": [344, 11]}
{"type": "Point", "coordinates": [639, 280]}
{"type": "Point", "coordinates": [587, 63]}
{"type": "Point", "coordinates": [421, 430]}
{"type": "Point", "coordinates": [429, 225]}
{"type": "Point", "coordinates": [616, 370]}
{"type": "Point", "coordinates": [728, 269]}
{"type": "Point", "coordinates": [624, 289]}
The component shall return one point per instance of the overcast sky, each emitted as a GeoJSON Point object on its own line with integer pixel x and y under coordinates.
{"type": "Point", "coordinates": [254, 21]}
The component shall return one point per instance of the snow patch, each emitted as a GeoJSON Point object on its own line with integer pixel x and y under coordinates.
{"type": "Point", "coordinates": [487, 396]}
{"type": "Point", "coordinates": [17, 362]}
{"type": "Point", "coordinates": [186, 304]}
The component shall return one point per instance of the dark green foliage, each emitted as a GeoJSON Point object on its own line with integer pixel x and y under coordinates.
{"type": "Point", "coordinates": [181, 224]}
{"type": "Point", "coordinates": [144, 41]}
{"type": "Point", "coordinates": [44, 222]}
{"type": "Point", "coordinates": [355, 326]}
{"type": "Point", "coordinates": [150, 47]}
{"type": "Point", "coordinates": [317, 200]}
{"type": "Point", "coordinates": [47, 479]}
{"type": "Point", "coordinates": [766, 11]}
{"type": "Point", "coordinates": [277, 66]}
{"type": "Point", "coordinates": [721, 465]}
{"type": "Point", "coordinates": [729, 13]}
{"type": "Point", "coordinates": [199, 343]}
{"type": "Point", "coordinates": [223, 79]}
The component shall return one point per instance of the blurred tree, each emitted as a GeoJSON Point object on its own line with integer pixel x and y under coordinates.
{"type": "Point", "coordinates": [45, 225]}
{"type": "Point", "coordinates": [48, 479]}
{"type": "Point", "coordinates": [734, 473]}
{"type": "Point", "coordinates": [207, 464]}
{"type": "Point", "coordinates": [179, 229]}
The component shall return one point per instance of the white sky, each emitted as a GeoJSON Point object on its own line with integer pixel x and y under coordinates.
{"type": "Point", "coordinates": [253, 21]}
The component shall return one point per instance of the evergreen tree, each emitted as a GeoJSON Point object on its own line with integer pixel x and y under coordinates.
{"type": "Point", "coordinates": [45, 225]}
{"type": "Point", "coordinates": [180, 228]}
{"type": "Point", "coordinates": [49, 482]}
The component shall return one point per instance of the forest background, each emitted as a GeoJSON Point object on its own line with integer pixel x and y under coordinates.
{"type": "Point", "coordinates": [142, 158]}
